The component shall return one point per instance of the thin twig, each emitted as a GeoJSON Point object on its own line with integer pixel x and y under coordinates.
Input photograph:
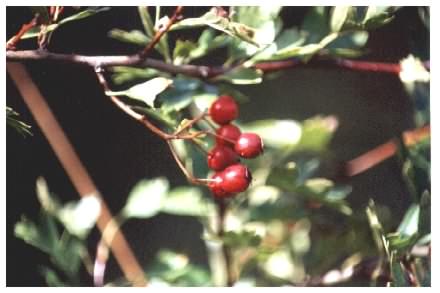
{"type": "Point", "coordinates": [12, 43]}
{"type": "Point", "coordinates": [144, 53]}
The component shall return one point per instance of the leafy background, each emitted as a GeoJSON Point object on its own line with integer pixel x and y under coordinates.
{"type": "Point", "coordinates": [371, 108]}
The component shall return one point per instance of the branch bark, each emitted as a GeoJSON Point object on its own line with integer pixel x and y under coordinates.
{"type": "Point", "coordinates": [199, 71]}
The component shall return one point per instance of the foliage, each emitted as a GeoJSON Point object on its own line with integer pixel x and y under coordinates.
{"type": "Point", "coordinates": [292, 223]}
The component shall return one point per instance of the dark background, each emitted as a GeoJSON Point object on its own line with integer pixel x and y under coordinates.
{"type": "Point", "coordinates": [118, 152]}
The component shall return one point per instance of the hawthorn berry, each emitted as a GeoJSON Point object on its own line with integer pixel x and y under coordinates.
{"type": "Point", "coordinates": [227, 135]}
{"type": "Point", "coordinates": [220, 157]}
{"type": "Point", "coordinates": [224, 110]}
{"type": "Point", "coordinates": [216, 186]}
{"type": "Point", "coordinates": [249, 145]}
{"type": "Point", "coordinates": [236, 178]}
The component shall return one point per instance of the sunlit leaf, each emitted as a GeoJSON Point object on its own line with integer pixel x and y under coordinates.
{"type": "Point", "coordinates": [338, 16]}
{"type": "Point", "coordinates": [80, 217]}
{"type": "Point", "coordinates": [134, 36]}
{"type": "Point", "coordinates": [47, 200]}
{"type": "Point", "coordinates": [186, 201]}
{"type": "Point", "coordinates": [242, 75]}
{"type": "Point", "coordinates": [410, 222]}
{"type": "Point", "coordinates": [146, 92]}
{"type": "Point", "coordinates": [146, 198]}
{"type": "Point", "coordinates": [316, 133]}
{"type": "Point", "coordinates": [276, 133]}
{"type": "Point", "coordinates": [19, 126]}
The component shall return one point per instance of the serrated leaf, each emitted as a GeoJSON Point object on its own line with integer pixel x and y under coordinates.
{"type": "Point", "coordinates": [338, 16]}
{"type": "Point", "coordinates": [146, 92]}
{"type": "Point", "coordinates": [83, 14]}
{"type": "Point", "coordinates": [80, 217]}
{"type": "Point", "coordinates": [133, 37]}
{"type": "Point", "coordinates": [276, 133]}
{"type": "Point", "coordinates": [146, 198]}
{"type": "Point", "coordinates": [180, 95]}
{"type": "Point", "coordinates": [242, 75]}
{"type": "Point", "coordinates": [375, 11]}
{"type": "Point", "coordinates": [186, 201]}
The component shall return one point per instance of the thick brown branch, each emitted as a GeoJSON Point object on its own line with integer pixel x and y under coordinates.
{"type": "Point", "coordinates": [108, 61]}
{"type": "Point", "coordinates": [199, 71]}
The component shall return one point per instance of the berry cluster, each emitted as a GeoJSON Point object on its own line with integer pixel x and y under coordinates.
{"type": "Point", "coordinates": [231, 176]}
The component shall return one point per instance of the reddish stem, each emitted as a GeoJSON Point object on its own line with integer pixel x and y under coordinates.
{"type": "Point", "coordinates": [12, 43]}
{"type": "Point", "coordinates": [143, 54]}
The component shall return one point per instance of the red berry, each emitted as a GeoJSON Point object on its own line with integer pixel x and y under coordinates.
{"type": "Point", "coordinates": [249, 145]}
{"type": "Point", "coordinates": [220, 157]}
{"type": "Point", "coordinates": [227, 135]}
{"type": "Point", "coordinates": [236, 178]}
{"type": "Point", "coordinates": [224, 110]}
{"type": "Point", "coordinates": [216, 186]}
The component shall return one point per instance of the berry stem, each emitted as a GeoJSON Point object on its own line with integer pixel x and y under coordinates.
{"type": "Point", "coordinates": [220, 136]}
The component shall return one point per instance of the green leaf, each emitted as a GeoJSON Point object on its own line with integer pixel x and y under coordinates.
{"type": "Point", "coordinates": [67, 255]}
{"type": "Point", "coordinates": [425, 214]}
{"type": "Point", "coordinates": [49, 203]}
{"type": "Point", "coordinates": [182, 51]}
{"type": "Point", "coordinates": [180, 95]}
{"type": "Point", "coordinates": [173, 268]}
{"type": "Point", "coordinates": [288, 38]}
{"type": "Point", "coordinates": [398, 273]}
{"type": "Point", "coordinates": [316, 24]}
{"type": "Point", "coordinates": [242, 75]}
{"type": "Point", "coordinates": [410, 222]}
{"type": "Point", "coordinates": [186, 201]}
{"type": "Point", "coordinates": [338, 16]}
{"type": "Point", "coordinates": [146, 198]}
{"type": "Point", "coordinates": [241, 239]}
{"type": "Point", "coordinates": [80, 217]}
{"type": "Point", "coordinates": [12, 121]}
{"type": "Point", "coordinates": [284, 178]}
{"type": "Point", "coordinates": [122, 74]}
{"type": "Point", "coordinates": [377, 16]}
{"type": "Point", "coordinates": [43, 236]}
{"type": "Point", "coordinates": [81, 15]}
{"type": "Point", "coordinates": [217, 21]}
{"type": "Point", "coordinates": [51, 277]}
{"type": "Point", "coordinates": [133, 37]}
{"type": "Point", "coordinates": [376, 228]}
{"type": "Point", "coordinates": [146, 92]}
{"type": "Point", "coordinates": [276, 133]}
{"type": "Point", "coordinates": [316, 133]}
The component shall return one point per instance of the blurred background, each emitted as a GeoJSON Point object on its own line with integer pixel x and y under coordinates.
{"type": "Point", "coordinates": [118, 152]}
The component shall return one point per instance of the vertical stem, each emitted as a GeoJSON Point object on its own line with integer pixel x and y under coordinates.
{"type": "Point", "coordinates": [222, 207]}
